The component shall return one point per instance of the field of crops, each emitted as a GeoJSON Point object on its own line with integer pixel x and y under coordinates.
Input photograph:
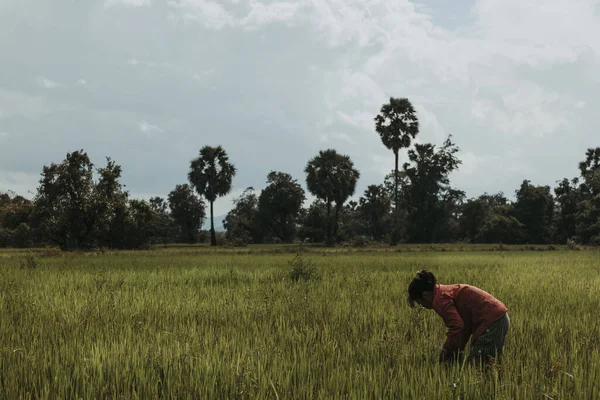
{"type": "Point", "coordinates": [233, 323]}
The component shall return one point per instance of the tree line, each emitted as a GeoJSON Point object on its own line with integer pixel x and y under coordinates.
{"type": "Point", "coordinates": [79, 206]}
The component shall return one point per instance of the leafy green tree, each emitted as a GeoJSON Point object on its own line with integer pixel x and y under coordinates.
{"type": "Point", "coordinates": [64, 204]}
{"type": "Point", "coordinates": [568, 200]}
{"type": "Point", "coordinates": [397, 124]}
{"type": "Point", "coordinates": [314, 225]}
{"type": "Point", "coordinates": [279, 205]}
{"type": "Point", "coordinates": [475, 213]}
{"type": "Point", "coordinates": [489, 219]}
{"type": "Point", "coordinates": [165, 230]}
{"type": "Point", "coordinates": [331, 177]}
{"type": "Point", "coordinates": [187, 211]}
{"type": "Point", "coordinates": [241, 222]}
{"type": "Point", "coordinates": [588, 216]}
{"type": "Point", "coordinates": [15, 215]}
{"type": "Point", "coordinates": [211, 174]}
{"type": "Point", "coordinates": [108, 197]}
{"type": "Point", "coordinates": [428, 192]}
{"type": "Point", "coordinates": [534, 208]}
{"type": "Point", "coordinates": [375, 207]}
{"type": "Point", "coordinates": [138, 225]}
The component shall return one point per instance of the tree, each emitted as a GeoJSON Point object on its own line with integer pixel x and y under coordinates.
{"type": "Point", "coordinates": [588, 216]}
{"type": "Point", "coordinates": [279, 205]}
{"type": "Point", "coordinates": [534, 208]}
{"type": "Point", "coordinates": [430, 199]}
{"type": "Point", "coordinates": [331, 177]}
{"type": "Point", "coordinates": [397, 124]}
{"type": "Point", "coordinates": [568, 200]}
{"type": "Point", "coordinates": [15, 215]}
{"type": "Point", "coordinates": [211, 174]}
{"type": "Point", "coordinates": [108, 197]}
{"type": "Point", "coordinates": [375, 206]}
{"type": "Point", "coordinates": [187, 211]}
{"type": "Point", "coordinates": [489, 219]}
{"type": "Point", "coordinates": [241, 222]}
{"type": "Point", "coordinates": [64, 204]}
{"type": "Point", "coordinates": [165, 230]}
{"type": "Point", "coordinates": [314, 223]}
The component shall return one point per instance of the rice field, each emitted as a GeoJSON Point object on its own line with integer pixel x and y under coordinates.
{"type": "Point", "coordinates": [197, 323]}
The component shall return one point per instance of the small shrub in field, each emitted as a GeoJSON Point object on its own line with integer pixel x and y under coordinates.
{"type": "Point", "coordinates": [572, 245]}
{"type": "Point", "coordinates": [303, 269]}
{"type": "Point", "coordinates": [29, 262]}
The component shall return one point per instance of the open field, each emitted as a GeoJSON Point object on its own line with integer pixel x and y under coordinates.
{"type": "Point", "coordinates": [192, 322]}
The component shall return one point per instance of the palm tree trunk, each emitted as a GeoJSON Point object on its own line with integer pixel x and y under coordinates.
{"type": "Point", "coordinates": [335, 223]}
{"type": "Point", "coordinates": [396, 202]}
{"type": "Point", "coordinates": [328, 236]}
{"type": "Point", "coordinates": [213, 236]}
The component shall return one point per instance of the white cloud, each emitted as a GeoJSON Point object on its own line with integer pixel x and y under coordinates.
{"type": "Point", "coordinates": [149, 129]}
{"type": "Point", "coordinates": [4, 135]}
{"type": "Point", "coordinates": [128, 3]}
{"type": "Point", "coordinates": [46, 83]}
{"type": "Point", "coordinates": [82, 82]}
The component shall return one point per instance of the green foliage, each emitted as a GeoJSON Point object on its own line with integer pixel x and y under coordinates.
{"type": "Point", "coordinates": [331, 177]}
{"type": "Point", "coordinates": [534, 208]}
{"type": "Point", "coordinates": [375, 207]}
{"type": "Point", "coordinates": [397, 124]}
{"type": "Point", "coordinates": [431, 202]}
{"type": "Point", "coordinates": [314, 223]}
{"type": "Point", "coordinates": [279, 205]}
{"type": "Point", "coordinates": [241, 222]}
{"type": "Point", "coordinates": [211, 174]}
{"type": "Point", "coordinates": [568, 199]}
{"type": "Point", "coordinates": [29, 262]}
{"type": "Point", "coordinates": [302, 269]}
{"type": "Point", "coordinates": [187, 211]}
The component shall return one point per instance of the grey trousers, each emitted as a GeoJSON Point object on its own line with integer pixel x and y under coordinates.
{"type": "Point", "coordinates": [491, 342]}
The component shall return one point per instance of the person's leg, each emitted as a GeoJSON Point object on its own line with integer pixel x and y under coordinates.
{"type": "Point", "coordinates": [491, 342]}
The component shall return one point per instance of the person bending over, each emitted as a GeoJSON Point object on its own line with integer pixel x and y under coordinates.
{"type": "Point", "coordinates": [468, 312]}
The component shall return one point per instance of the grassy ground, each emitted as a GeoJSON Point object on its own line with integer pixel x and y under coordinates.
{"type": "Point", "coordinates": [190, 322]}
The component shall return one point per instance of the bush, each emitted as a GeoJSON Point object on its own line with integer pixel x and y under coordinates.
{"type": "Point", "coordinates": [29, 262]}
{"type": "Point", "coordinates": [572, 245]}
{"type": "Point", "coordinates": [303, 269]}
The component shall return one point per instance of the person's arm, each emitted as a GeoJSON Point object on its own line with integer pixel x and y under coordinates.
{"type": "Point", "coordinates": [453, 321]}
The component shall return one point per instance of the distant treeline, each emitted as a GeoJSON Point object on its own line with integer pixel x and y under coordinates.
{"type": "Point", "coordinates": [78, 206]}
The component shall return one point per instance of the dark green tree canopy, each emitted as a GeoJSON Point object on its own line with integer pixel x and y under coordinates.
{"type": "Point", "coordinates": [187, 211]}
{"type": "Point", "coordinates": [211, 173]}
{"type": "Point", "coordinates": [397, 124]}
{"type": "Point", "coordinates": [279, 205]}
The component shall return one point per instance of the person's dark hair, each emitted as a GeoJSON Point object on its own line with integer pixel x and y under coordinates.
{"type": "Point", "coordinates": [423, 282]}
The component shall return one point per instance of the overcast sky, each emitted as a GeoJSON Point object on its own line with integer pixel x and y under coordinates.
{"type": "Point", "coordinates": [149, 82]}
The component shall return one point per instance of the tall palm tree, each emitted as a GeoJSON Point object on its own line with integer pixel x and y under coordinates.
{"type": "Point", "coordinates": [397, 124]}
{"type": "Point", "coordinates": [331, 177]}
{"type": "Point", "coordinates": [211, 174]}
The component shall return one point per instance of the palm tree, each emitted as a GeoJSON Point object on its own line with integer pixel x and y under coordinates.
{"type": "Point", "coordinates": [397, 124]}
{"type": "Point", "coordinates": [211, 174]}
{"type": "Point", "coordinates": [331, 177]}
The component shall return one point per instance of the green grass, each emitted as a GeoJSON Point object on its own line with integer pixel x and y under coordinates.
{"type": "Point", "coordinates": [230, 323]}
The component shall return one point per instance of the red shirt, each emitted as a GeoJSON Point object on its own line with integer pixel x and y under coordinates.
{"type": "Point", "coordinates": [466, 311]}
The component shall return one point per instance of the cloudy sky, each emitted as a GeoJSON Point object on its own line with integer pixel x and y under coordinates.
{"type": "Point", "coordinates": [149, 82]}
